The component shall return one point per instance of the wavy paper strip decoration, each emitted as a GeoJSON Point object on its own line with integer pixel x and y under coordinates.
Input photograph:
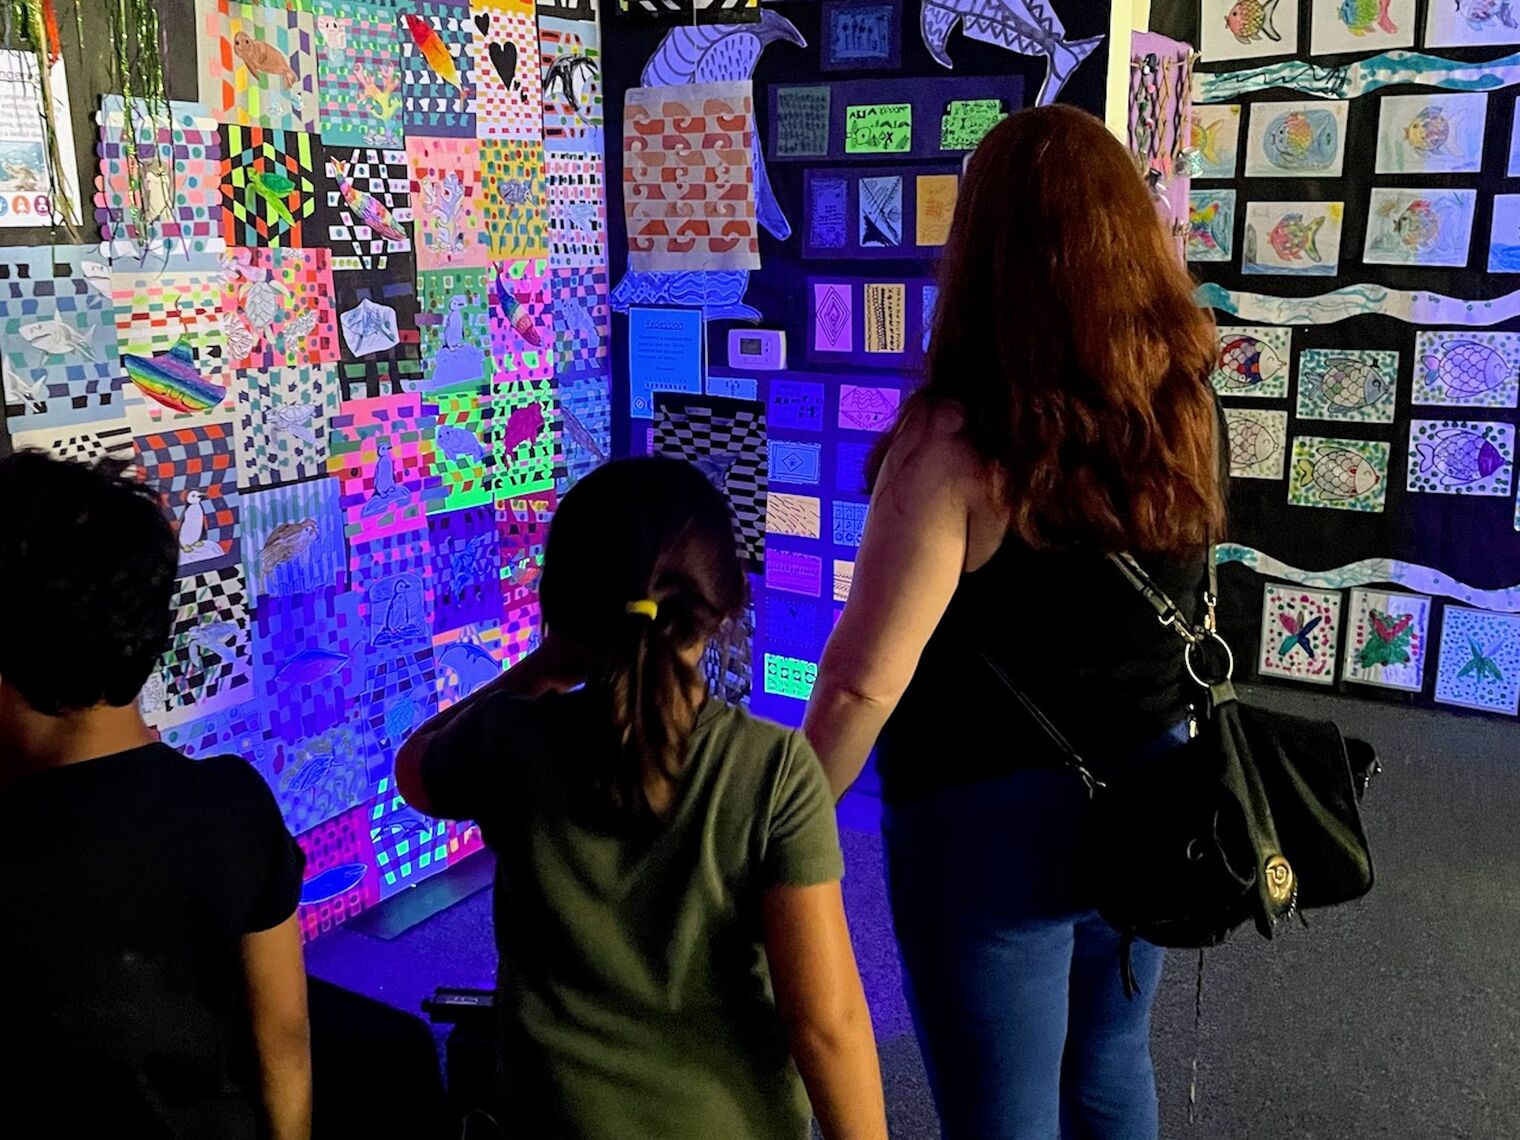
{"type": "Point", "coordinates": [1373, 571]}
{"type": "Point", "coordinates": [1353, 79]}
{"type": "Point", "coordinates": [1357, 301]}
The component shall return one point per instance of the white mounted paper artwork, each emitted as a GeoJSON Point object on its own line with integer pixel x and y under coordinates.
{"type": "Point", "coordinates": [1431, 134]}
{"type": "Point", "coordinates": [1216, 138]}
{"type": "Point", "coordinates": [1471, 23]}
{"type": "Point", "coordinates": [1296, 140]}
{"type": "Point", "coordinates": [1361, 25]}
{"type": "Point", "coordinates": [1296, 238]}
{"type": "Point", "coordinates": [1247, 29]}
{"type": "Point", "coordinates": [1419, 227]}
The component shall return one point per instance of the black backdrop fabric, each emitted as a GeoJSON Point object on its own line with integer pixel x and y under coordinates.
{"type": "Point", "coordinates": [1471, 538]}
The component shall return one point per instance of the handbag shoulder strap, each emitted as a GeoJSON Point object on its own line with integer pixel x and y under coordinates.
{"type": "Point", "coordinates": [1069, 755]}
{"type": "Point", "coordinates": [1170, 615]}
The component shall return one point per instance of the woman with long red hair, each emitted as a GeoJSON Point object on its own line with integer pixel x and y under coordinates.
{"type": "Point", "coordinates": [1065, 415]}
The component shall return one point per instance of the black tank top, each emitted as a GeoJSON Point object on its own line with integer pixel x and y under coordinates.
{"type": "Point", "coordinates": [1074, 635]}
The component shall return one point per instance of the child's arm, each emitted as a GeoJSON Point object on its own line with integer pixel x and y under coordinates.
{"type": "Point", "coordinates": [276, 987]}
{"type": "Point", "coordinates": [818, 993]}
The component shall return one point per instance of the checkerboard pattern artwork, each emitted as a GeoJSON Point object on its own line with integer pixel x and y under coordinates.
{"type": "Point", "coordinates": [455, 326]}
{"type": "Point", "coordinates": [282, 423]}
{"type": "Point", "coordinates": [309, 659]}
{"type": "Point", "coordinates": [525, 434]}
{"type": "Point", "coordinates": [208, 665]}
{"type": "Point", "coordinates": [467, 658]}
{"type": "Point", "coordinates": [466, 568]}
{"type": "Point", "coordinates": [512, 174]}
{"type": "Point", "coordinates": [358, 73]}
{"type": "Point", "coordinates": [522, 320]}
{"type": "Point", "coordinates": [342, 880]}
{"type": "Point", "coordinates": [577, 210]}
{"type": "Point", "coordinates": [582, 317]}
{"type": "Point", "coordinates": [58, 351]}
{"type": "Point", "coordinates": [85, 444]}
{"type": "Point", "coordinates": [178, 152]}
{"type": "Point", "coordinates": [235, 731]}
{"type": "Point", "coordinates": [268, 186]}
{"type": "Point", "coordinates": [508, 84]}
{"type": "Point", "coordinates": [160, 310]}
{"type": "Point", "coordinates": [585, 410]}
{"type": "Point", "coordinates": [258, 63]}
{"type": "Point", "coordinates": [430, 104]}
{"type": "Point", "coordinates": [277, 310]}
{"type": "Point", "coordinates": [572, 64]}
{"type": "Point", "coordinates": [726, 439]}
{"type": "Point", "coordinates": [320, 776]}
{"type": "Point", "coordinates": [446, 202]}
{"type": "Point", "coordinates": [382, 453]}
{"type": "Point", "coordinates": [409, 846]}
{"type": "Point", "coordinates": [194, 471]}
{"type": "Point", "coordinates": [400, 693]}
{"type": "Point", "coordinates": [520, 633]}
{"type": "Point", "coordinates": [522, 524]}
{"type": "Point", "coordinates": [393, 577]}
{"type": "Point", "coordinates": [293, 539]}
{"type": "Point", "coordinates": [464, 460]}
{"type": "Point", "coordinates": [380, 371]}
{"type": "Point", "coordinates": [359, 183]}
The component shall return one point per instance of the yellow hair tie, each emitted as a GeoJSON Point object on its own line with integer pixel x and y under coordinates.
{"type": "Point", "coordinates": [645, 607]}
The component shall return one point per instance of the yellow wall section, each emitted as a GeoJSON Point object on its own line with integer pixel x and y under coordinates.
{"type": "Point", "coordinates": [1134, 15]}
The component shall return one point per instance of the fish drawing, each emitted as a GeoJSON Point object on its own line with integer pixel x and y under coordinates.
{"type": "Point", "coordinates": [286, 543]}
{"type": "Point", "coordinates": [568, 77]}
{"type": "Point", "coordinates": [523, 426]}
{"type": "Point", "coordinates": [1482, 665]}
{"type": "Point", "coordinates": [1245, 361]}
{"type": "Point", "coordinates": [432, 48]}
{"type": "Point", "coordinates": [1416, 225]}
{"type": "Point", "coordinates": [294, 419]}
{"type": "Point", "coordinates": [515, 192]}
{"type": "Point", "coordinates": [1388, 640]}
{"type": "Point", "coordinates": [21, 389]}
{"type": "Point", "coordinates": [1298, 631]}
{"type": "Point", "coordinates": [1459, 456]}
{"type": "Point", "coordinates": [1361, 16]}
{"type": "Point", "coordinates": [581, 434]}
{"type": "Point", "coordinates": [331, 883]}
{"type": "Point", "coordinates": [1337, 473]}
{"type": "Point", "coordinates": [366, 209]}
{"type": "Point", "coordinates": [1292, 238]}
{"type": "Point", "coordinates": [1249, 20]}
{"type": "Point", "coordinates": [1302, 140]}
{"type": "Point", "coordinates": [1206, 139]}
{"type": "Point", "coordinates": [1347, 383]}
{"type": "Point", "coordinates": [459, 443]}
{"type": "Point", "coordinates": [470, 664]}
{"type": "Point", "coordinates": [263, 59]}
{"type": "Point", "coordinates": [1466, 368]}
{"type": "Point", "coordinates": [309, 666]}
{"type": "Point", "coordinates": [1252, 443]}
{"type": "Point", "coordinates": [515, 309]}
{"type": "Point", "coordinates": [402, 828]}
{"type": "Point", "coordinates": [56, 337]}
{"type": "Point", "coordinates": [1429, 132]}
{"type": "Point", "coordinates": [1208, 225]}
{"type": "Point", "coordinates": [1485, 15]}
{"type": "Point", "coordinates": [1027, 27]}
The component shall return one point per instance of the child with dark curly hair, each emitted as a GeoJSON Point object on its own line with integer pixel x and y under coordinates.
{"type": "Point", "coordinates": [151, 981]}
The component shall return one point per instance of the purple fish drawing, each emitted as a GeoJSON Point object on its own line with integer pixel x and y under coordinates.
{"type": "Point", "coordinates": [308, 666]}
{"type": "Point", "coordinates": [331, 883]}
{"type": "Point", "coordinates": [1465, 368]}
{"type": "Point", "coordinates": [1458, 456]}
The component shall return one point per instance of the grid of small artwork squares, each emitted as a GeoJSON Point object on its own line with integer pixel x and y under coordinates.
{"type": "Point", "coordinates": [327, 323]}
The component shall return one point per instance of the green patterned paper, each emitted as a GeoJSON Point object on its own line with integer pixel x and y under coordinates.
{"type": "Point", "coordinates": [1342, 474]}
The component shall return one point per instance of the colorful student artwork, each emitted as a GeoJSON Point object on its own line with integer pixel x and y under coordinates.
{"type": "Point", "coordinates": [1298, 238]}
{"type": "Point", "coordinates": [1411, 306]}
{"type": "Point", "coordinates": [381, 453]}
{"type": "Point", "coordinates": [1211, 225]}
{"type": "Point", "coordinates": [277, 308]}
{"type": "Point", "coordinates": [1253, 362]}
{"type": "Point", "coordinates": [466, 569]}
{"type": "Point", "coordinates": [802, 120]}
{"type": "Point", "coordinates": [1479, 661]}
{"type": "Point", "coordinates": [726, 440]}
{"type": "Point", "coordinates": [464, 462]}
{"type": "Point", "coordinates": [1461, 457]}
{"type": "Point", "coordinates": [447, 202]}
{"type": "Point", "coordinates": [1361, 25]}
{"type": "Point", "coordinates": [1386, 69]}
{"type": "Point", "coordinates": [689, 177]}
{"type": "Point", "coordinates": [1431, 134]}
{"type": "Point", "coordinates": [934, 208]}
{"type": "Point", "coordinates": [522, 527]}
{"type": "Point", "coordinates": [861, 35]}
{"type": "Point", "coordinates": [455, 326]}
{"type": "Point", "coordinates": [966, 122]}
{"type": "Point", "coordinates": [207, 666]}
{"type": "Point", "coordinates": [1258, 441]}
{"type": "Point", "coordinates": [833, 317]}
{"type": "Point", "coordinates": [1504, 235]}
{"type": "Point", "coordinates": [282, 423]}
{"type": "Point", "coordinates": [437, 69]}
{"type": "Point", "coordinates": [1463, 368]}
{"type": "Point", "coordinates": [514, 202]}
{"type": "Point", "coordinates": [159, 193]}
{"type": "Point", "coordinates": [1028, 27]}
{"type": "Point", "coordinates": [878, 128]}
{"type": "Point", "coordinates": [886, 316]}
{"type": "Point", "coordinates": [789, 676]}
{"type": "Point", "coordinates": [1471, 23]}
{"type": "Point", "coordinates": [525, 432]}
{"type": "Point", "coordinates": [170, 330]}
{"type": "Point", "coordinates": [1386, 639]}
{"type": "Point", "coordinates": [308, 660]}
{"type": "Point", "coordinates": [1419, 227]}
{"type": "Point", "coordinates": [508, 89]}
{"type": "Point", "coordinates": [193, 471]}
{"type": "Point", "coordinates": [1357, 385]}
{"type": "Point", "coordinates": [1299, 632]}
{"type": "Point", "coordinates": [877, 211]}
{"type": "Point", "coordinates": [796, 516]}
{"type": "Point", "coordinates": [258, 64]}
{"type": "Point", "coordinates": [571, 57]}
{"type": "Point", "coordinates": [577, 210]}
{"type": "Point", "coordinates": [358, 74]}
{"type": "Point", "coordinates": [364, 207]}
{"type": "Point", "coordinates": [1341, 474]}
{"type": "Point", "coordinates": [1296, 140]}
{"type": "Point", "coordinates": [1216, 139]}
{"type": "Point", "coordinates": [520, 321]}
{"type": "Point", "coordinates": [293, 539]}
{"type": "Point", "coordinates": [1247, 29]}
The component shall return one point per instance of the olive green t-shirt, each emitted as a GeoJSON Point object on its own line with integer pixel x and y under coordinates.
{"type": "Point", "coordinates": [633, 985]}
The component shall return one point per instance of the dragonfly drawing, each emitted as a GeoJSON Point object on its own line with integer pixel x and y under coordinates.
{"type": "Point", "coordinates": [1298, 633]}
{"type": "Point", "coordinates": [1482, 666]}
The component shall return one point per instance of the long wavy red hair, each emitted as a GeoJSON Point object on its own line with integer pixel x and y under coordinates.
{"type": "Point", "coordinates": [1067, 333]}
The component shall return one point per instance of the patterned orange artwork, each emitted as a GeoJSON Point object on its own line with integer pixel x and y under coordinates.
{"type": "Point", "coordinates": [688, 177]}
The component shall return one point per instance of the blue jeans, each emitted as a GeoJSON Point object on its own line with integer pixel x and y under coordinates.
{"type": "Point", "coordinates": [1014, 984]}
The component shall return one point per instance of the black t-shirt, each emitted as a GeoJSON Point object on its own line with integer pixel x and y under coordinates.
{"type": "Point", "coordinates": [128, 882]}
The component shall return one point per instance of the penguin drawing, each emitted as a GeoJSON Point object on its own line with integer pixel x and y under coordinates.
{"type": "Point", "coordinates": [192, 524]}
{"type": "Point", "coordinates": [401, 614]}
{"type": "Point", "coordinates": [386, 489]}
{"type": "Point", "coordinates": [453, 324]}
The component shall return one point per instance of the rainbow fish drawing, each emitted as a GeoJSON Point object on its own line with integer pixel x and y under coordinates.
{"type": "Point", "coordinates": [433, 50]}
{"type": "Point", "coordinates": [515, 309]}
{"type": "Point", "coordinates": [172, 379]}
{"type": "Point", "coordinates": [365, 207]}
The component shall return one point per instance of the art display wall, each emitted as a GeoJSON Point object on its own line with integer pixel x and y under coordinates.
{"type": "Point", "coordinates": [342, 300]}
{"type": "Point", "coordinates": [785, 177]}
{"type": "Point", "coordinates": [1352, 221]}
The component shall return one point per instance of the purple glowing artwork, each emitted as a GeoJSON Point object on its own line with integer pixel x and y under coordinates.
{"type": "Point", "coordinates": [867, 322]}
{"type": "Point", "coordinates": [877, 211]}
{"type": "Point", "coordinates": [795, 405]}
{"type": "Point", "coordinates": [794, 572]}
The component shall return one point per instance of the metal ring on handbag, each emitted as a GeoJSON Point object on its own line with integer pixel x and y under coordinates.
{"type": "Point", "coordinates": [1229, 659]}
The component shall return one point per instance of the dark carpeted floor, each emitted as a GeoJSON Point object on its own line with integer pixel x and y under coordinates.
{"type": "Point", "coordinates": [1396, 1017]}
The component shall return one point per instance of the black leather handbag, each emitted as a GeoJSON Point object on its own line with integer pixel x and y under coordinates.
{"type": "Point", "coordinates": [1253, 818]}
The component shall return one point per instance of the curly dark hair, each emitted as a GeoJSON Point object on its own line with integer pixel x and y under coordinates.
{"type": "Point", "coordinates": [87, 563]}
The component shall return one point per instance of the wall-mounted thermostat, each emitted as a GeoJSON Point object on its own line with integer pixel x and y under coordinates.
{"type": "Point", "coordinates": [764, 349]}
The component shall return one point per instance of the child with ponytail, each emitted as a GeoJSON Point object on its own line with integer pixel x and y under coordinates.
{"type": "Point", "coordinates": [674, 959]}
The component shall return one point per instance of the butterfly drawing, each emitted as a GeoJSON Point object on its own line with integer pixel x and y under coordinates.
{"type": "Point", "coordinates": [1298, 634]}
{"type": "Point", "coordinates": [1482, 666]}
{"type": "Point", "coordinates": [1388, 641]}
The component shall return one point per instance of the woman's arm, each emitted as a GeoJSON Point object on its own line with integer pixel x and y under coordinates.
{"type": "Point", "coordinates": [275, 982]}
{"type": "Point", "coordinates": [822, 1004]}
{"type": "Point", "coordinates": [911, 558]}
